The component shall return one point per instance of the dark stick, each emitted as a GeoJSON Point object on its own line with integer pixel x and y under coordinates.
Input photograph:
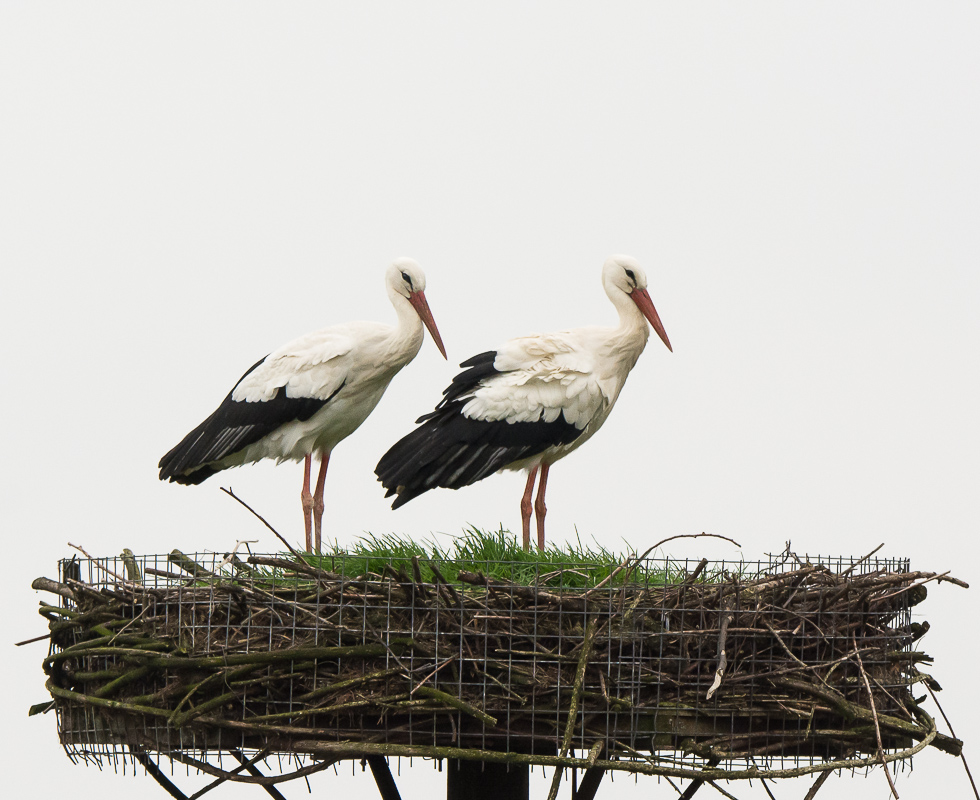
{"type": "Point", "coordinates": [861, 561]}
{"type": "Point", "coordinates": [726, 616]}
{"type": "Point", "coordinates": [717, 788]}
{"type": "Point", "coordinates": [953, 734]}
{"type": "Point", "coordinates": [157, 775]}
{"type": "Point", "coordinates": [693, 536]}
{"type": "Point", "coordinates": [251, 769]}
{"type": "Point", "coordinates": [820, 781]}
{"type": "Point", "coordinates": [262, 519]}
{"type": "Point", "coordinates": [31, 641]}
{"type": "Point", "coordinates": [244, 764]}
{"type": "Point", "coordinates": [690, 791]}
{"type": "Point", "coordinates": [590, 784]}
{"type": "Point", "coordinates": [233, 775]}
{"type": "Point", "coordinates": [383, 777]}
{"type": "Point", "coordinates": [874, 712]}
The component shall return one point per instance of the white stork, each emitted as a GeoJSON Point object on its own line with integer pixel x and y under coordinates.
{"type": "Point", "coordinates": [309, 395]}
{"type": "Point", "coordinates": [528, 403]}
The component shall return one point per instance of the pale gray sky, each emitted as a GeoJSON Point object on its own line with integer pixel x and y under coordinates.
{"type": "Point", "coordinates": [184, 187]}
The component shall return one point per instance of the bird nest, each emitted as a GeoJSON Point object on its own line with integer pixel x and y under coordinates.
{"type": "Point", "coordinates": [700, 670]}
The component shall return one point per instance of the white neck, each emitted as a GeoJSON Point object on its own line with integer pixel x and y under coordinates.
{"type": "Point", "coordinates": [625, 342]}
{"type": "Point", "coordinates": [405, 340]}
{"type": "Point", "coordinates": [632, 323]}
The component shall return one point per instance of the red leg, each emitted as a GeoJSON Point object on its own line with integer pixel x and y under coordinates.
{"type": "Point", "coordinates": [540, 509]}
{"type": "Point", "coordinates": [307, 499]}
{"type": "Point", "coordinates": [526, 508]}
{"type": "Point", "coordinates": [318, 498]}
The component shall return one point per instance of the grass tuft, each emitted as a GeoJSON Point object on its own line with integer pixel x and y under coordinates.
{"type": "Point", "coordinates": [498, 555]}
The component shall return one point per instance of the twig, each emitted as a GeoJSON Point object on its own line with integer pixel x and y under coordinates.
{"type": "Point", "coordinates": [820, 781]}
{"type": "Point", "coordinates": [455, 702]}
{"type": "Point", "coordinates": [262, 519]}
{"type": "Point", "coordinates": [450, 590]}
{"type": "Point", "coordinates": [253, 770]}
{"type": "Point", "coordinates": [636, 561]}
{"type": "Point", "coordinates": [860, 561]}
{"type": "Point", "coordinates": [81, 550]}
{"type": "Point", "coordinates": [345, 684]}
{"type": "Point", "coordinates": [695, 785]}
{"type": "Point", "coordinates": [32, 641]}
{"type": "Point", "coordinates": [763, 781]}
{"type": "Point", "coordinates": [693, 536]}
{"type": "Point", "coordinates": [717, 788]}
{"type": "Point", "coordinates": [244, 764]}
{"type": "Point", "coordinates": [874, 712]}
{"type": "Point", "coordinates": [944, 575]}
{"type": "Point", "coordinates": [417, 574]}
{"type": "Point", "coordinates": [853, 711]}
{"type": "Point", "coordinates": [100, 565]}
{"type": "Point", "coordinates": [583, 660]}
{"type": "Point", "coordinates": [953, 734]}
{"type": "Point", "coordinates": [301, 567]}
{"type": "Point", "coordinates": [421, 683]}
{"type": "Point", "coordinates": [267, 780]}
{"type": "Point", "coordinates": [726, 615]}
{"type": "Point", "coordinates": [697, 572]}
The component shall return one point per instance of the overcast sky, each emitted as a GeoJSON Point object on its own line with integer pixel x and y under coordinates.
{"type": "Point", "coordinates": [186, 186]}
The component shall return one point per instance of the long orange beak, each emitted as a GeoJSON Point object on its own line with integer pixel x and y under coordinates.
{"type": "Point", "coordinates": [419, 303]}
{"type": "Point", "coordinates": [643, 302]}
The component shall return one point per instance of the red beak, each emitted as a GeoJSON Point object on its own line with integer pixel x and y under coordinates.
{"type": "Point", "coordinates": [419, 303]}
{"type": "Point", "coordinates": [643, 302]}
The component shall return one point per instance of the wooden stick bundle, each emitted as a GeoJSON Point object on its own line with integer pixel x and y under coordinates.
{"type": "Point", "coordinates": [282, 656]}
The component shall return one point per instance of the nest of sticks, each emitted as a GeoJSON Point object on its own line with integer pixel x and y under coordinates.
{"type": "Point", "coordinates": [703, 675]}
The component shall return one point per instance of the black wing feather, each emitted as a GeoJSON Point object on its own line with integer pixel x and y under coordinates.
{"type": "Point", "coordinates": [450, 451]}
{"type": "Point", "coordinates": [232, 427]}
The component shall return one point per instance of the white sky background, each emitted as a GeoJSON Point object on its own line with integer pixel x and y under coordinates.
{"type": "Point", "coordinates": [184, 187]}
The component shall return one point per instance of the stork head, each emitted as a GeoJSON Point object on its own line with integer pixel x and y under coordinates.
{"type": "Point", "coordinates": [406, 279]}
{"type": "Point", "coordinates": [621, 274]}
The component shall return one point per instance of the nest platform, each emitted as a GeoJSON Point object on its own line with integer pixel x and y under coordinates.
{"type": "Point", "coordinates": [695, 670]}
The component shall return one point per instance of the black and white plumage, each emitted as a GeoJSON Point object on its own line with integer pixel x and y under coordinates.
{"type": "Point", "coordinates": [309, 395]}
{"type": "Point", "coordinates": [527, 404]}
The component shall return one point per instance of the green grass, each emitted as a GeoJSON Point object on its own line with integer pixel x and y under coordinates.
{"type": "Point", "coordinates": [497, 554]}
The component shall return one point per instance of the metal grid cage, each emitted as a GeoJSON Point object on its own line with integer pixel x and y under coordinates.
{"type": "Point", "coordinates": [260, 658]}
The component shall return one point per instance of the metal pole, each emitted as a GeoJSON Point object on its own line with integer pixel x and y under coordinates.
{"type": "Point", "coordinates": [590, 783]}
{"type": "Point", "coordinates": [479, 780]}
{"type": "Point", "coordinates": [157, 775]}
{"type": "Point", "coordinates": [383, 777]}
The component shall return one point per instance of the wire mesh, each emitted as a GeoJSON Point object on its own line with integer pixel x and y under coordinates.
{"type": "Point", "coordinates": [507, 654]}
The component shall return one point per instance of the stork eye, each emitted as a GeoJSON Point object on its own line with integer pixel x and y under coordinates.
{"type": "Point", "coordinates": [631, 276]}
{"type": "Point", "coordinates": [407, 279]}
